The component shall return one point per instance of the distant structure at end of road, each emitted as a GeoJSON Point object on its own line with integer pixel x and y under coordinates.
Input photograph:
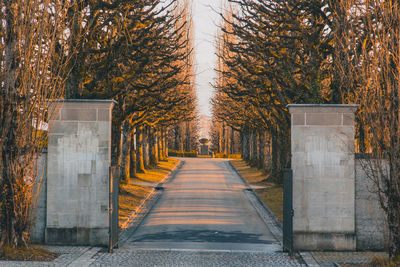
{"type": "Point", "coordinates": [204, 148]}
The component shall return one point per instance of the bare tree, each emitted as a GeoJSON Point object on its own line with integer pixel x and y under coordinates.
{"type": "Point", "coordinates": [365, 67]}
{"type": "Point", "coordinates": [32, 70]}
{"type": "Point", "coordinates": [380, 103]}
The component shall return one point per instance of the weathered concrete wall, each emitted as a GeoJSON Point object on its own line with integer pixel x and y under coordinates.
{"type": "Point", "coordinates": [323, 176]}
{"type": "Point", "coordinates": [371, 226]}
{"type": "Point", "coordinates": [40, 201]}
{"type": "Point", "coordinates": [79, 156]}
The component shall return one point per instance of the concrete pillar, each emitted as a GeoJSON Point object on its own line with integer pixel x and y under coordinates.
{"type": "Point", "coordinates": [322, 140]}
{"type": "Point", "coordinates": [79, 156]}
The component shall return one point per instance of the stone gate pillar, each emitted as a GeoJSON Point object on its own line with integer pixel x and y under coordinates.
{"type": "Point", "coordinates": [79, 156]}
{"type": "Point", "coordinates": [322, 143]}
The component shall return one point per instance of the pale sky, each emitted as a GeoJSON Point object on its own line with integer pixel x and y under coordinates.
{"type": "Point", "coordinates": [206, 21]}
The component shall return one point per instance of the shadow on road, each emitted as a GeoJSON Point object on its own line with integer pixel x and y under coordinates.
{"type": "Point", "coordinates": [201, 236]}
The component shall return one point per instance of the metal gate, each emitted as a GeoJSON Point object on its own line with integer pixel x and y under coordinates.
{"type": "Point", "coordinates": [288, 211]}
{"type": "Point", "coordinates": [113, 208]}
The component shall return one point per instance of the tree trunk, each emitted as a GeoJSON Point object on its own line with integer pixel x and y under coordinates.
{"type": "Point", "coordinates": [139, 150]}
{"type": "Point", "coordinates": [146, 157]}
{"type": "Point", "coordinates": [180, 148]}
{"type": "Point", "coordinates": [162, 144]}
{"type": "Point", "coordinates": [361, 135]}
{"type": "Point", "coordinates": [186, 137]}
{"type": "Point", "coordinates": [220, 140]}
{"type": "Point", "coordinates": [166, 143]}
{"type": "Point", "coordinates": [232, 145]}
{"type": "Point", "coordinates": [228, 140]}
{"type": "Point", "coordinates": [116, 135]}
{"type": "Point", "coordinates": [124, 158]}
{"type": "Point", "coordinates": [153, 149]}
{"type": "Point", "coordinates": [261, 148]}
{"type": "Point", "coordinates": [267, 154]}
{"type": "Point", "coordinates": [274, 157]}
{"type": "Point", "coordinates": [74, 81]}
{"type": "Point", "coordinates": [246, 147]}
{"type": "Point", "coordinates": [156, 147]}
{"type": "Point", "coordinates": [283, 155]}
{"type": "Point", "coordinates": [178, 137]}
{"type": "Point", "coordinates": [9, 236]}
{"type": "Point", "coordinates": [253, 149]}
{"type": "Point", "coordinates": [132, 156]}
{"type": "Point", "coordinates": [223, 137]}
{"type": "Point", "coordinates": [12, 225]}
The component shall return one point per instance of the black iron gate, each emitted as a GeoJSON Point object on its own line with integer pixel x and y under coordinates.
{"type": "Point", "coordinates": [113, 208]}
{"type": "Point", "coordinates": [288, 211]}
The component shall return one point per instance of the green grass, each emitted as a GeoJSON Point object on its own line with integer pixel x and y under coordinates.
{"type": "Point", "coordinates": [376, 261]}
{"type": "Point", "coordinates": [273, 197]}
{"type": "Point", "coordinates": [130, 196]}
{"type": "Point", "coordinates": [272, 194]}
{"type": "Point", "coordinates": [190, 154]}
{"type": "Point", "coordinates": [31, 253]}
{"type": "Point", "coordinates": [384, 261]}
{"type": "Point", "coordinates": [227, 156]}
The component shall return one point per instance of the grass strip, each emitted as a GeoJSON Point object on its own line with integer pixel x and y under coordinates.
{"type": "Point", "coordinates": [271, 194]}
{"type": "Point", "coordinates": [227, 156]}
{"type": "Point", "coordinates": [31, 253]}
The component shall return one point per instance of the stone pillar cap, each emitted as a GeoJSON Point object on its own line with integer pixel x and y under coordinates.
{"type": "Point", "coordinates": [322, 105]}
{"type": "Point", "coordinates": [322, 108]}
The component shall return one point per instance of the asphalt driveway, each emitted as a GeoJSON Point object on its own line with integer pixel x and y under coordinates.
{"type": "Point", "coordinates": [204, 207]}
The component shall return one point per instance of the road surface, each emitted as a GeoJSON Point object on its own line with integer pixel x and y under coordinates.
{"type": "Point", "coordinates": [204, 207]}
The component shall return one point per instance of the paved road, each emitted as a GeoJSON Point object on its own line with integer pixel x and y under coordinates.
{"type": "Point", "coordinates": [204, 207]}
